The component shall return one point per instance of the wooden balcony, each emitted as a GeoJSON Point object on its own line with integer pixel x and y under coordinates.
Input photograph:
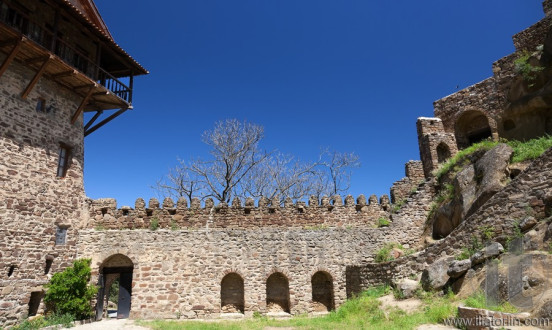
{"type": "Point", "coordinates": [26, 42]}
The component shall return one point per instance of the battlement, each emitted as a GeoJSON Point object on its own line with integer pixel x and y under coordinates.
{"type": "Point", "coordinates": [327, 212]}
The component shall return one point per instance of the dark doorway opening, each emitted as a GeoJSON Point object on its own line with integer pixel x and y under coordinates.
{"type": "Point", "coordinates": [115, 275]}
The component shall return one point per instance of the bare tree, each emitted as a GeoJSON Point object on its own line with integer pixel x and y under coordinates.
{"type": "Point", "coordinates": [339, 166]}
{"type": "Point", "coordinates": [239, 168]}
{"type": "Point", "coordinates": [180, 182]}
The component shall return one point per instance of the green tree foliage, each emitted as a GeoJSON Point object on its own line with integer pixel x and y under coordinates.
{"type": "Point", "coordinates": [69, 291]}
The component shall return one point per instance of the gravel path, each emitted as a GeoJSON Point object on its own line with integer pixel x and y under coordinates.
{"type": "Point", "coordinates": [113, 324]}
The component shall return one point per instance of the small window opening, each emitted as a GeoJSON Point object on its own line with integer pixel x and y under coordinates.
{"type": "Point", "coordinates": [247, 211]}
{"type": "Point", "coordinates": [41, 105]}
{"type": "Point", "coordinates": [49, 261]}
{"type": "Point", "coordinates": [271, 210]}
{"type": "Point", "coordinates": [34, 302]}
{"type": "Point", "coordinates": [125, 212]}
{"type": "Point", "coordinates": [104, 211]}
{"type": "Point", "coordinates": [61, 235]}
{"type": "Point", "coordinates": [10, 271]}
{"type": "Point", "coordinates": [301, 210]}
{"type": "Point", "coordinates": [149, 213]}
{"type": "Point", "coordinates": [171, 212]}
{"type": "Point", "coordinates": [63, 162]}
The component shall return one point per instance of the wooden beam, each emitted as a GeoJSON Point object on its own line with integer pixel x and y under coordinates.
{"type": "Point", "coordinates": [64, 74]}
{"type": "Point", "coordinates": [101, 93]}
{"type": "Point", "coordinates": [84, 86]}
{"type": "Point", "coordinates": [9, 42]}
{"type": "Point", "coordinates": [11, 56]}
{"type": "Point", "coordinates": [37, 76]}
{"type": "Point", "coordinates": [105, 121]}
{"type": "Point", "coordinates": [93, 119]}
{"type": "Point", "coordinates": [37, 59]}
{"type": "Point", "coordinates": [82, 105]}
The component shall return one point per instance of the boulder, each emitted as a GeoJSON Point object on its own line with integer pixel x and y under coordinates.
{"type": "Point", "coordinates": [490, 251]}
{"type": "Point", "coordinates": [527, 223]}
{"type": "Point", "coordinates": [473, 186]}
{"type": "Point", "coordinates": [407, 287]}
{"type": "Point", "coordinates": [434, 277]}
{"type": "Point", "coordinates": [458, 268]}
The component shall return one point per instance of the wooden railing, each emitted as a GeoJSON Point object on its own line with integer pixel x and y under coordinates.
{"type": "Point", "coordinates": [54, 44]}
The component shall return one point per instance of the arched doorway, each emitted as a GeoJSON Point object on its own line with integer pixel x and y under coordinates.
{"type": "Point", "coordinates": [116, 268]}
{"type": "Point", "coordinates": [277, 293]}
{"type": "Point", "coordinates": [231, 294]}
{"type": "Point", "coordinates": [471, 127]}
{"type": "Point", "coordinates": [322, 292]}
{"type": "Point", "coordinates": [443, 153]}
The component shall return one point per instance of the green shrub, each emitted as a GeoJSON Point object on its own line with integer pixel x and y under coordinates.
{"type": "Point", "coordinates": [384, 254]}
{"type": "Point", "coordinates": [488, 232]}
{"type": "Point", "coordinates": [68, 292]}
{"type": "Point", "coordinates": [398, 205]}
{"type": "Point", "coordinates": [523, 67]}
{"type": "Point", "coordinates": [383, 222]}
{"type": "Point", "coordinates": [154, 224]}
{"type": "Point", "coordinates": [468, 251]}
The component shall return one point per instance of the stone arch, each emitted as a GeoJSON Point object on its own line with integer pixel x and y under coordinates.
{"type": "Point", "coordinates": [443, 152]}
{"type": "Point", "coordinates": [277, 293]}
{"type": "Point", "coordinates": [471, 127]}
{"type": "Point", "coordinates": [322, 292]}
{"type": "Point", "coordinates": [232, 294]}
{"type": "Point", "coordinates": [116, 266]}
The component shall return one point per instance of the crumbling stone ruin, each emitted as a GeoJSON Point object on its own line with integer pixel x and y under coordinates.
{"type": "Point", "coordinates": [174, 260]}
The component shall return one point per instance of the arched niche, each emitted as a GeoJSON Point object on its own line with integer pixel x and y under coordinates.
{"type": "Point", "coordinates": [322, 292]}
{"type": "Point", "coordinates": [232, 294]}
{"type": "Point", "coordinates": [277, 293]}
{"type": "Point", "coordinates": [471, 127]}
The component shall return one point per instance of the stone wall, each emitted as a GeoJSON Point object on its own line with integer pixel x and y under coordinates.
{"type": "Point", "coordinates": [436, 146]}
{"type": "Point", "coordinates": [326, 213]}
{"type": "Point", "coordinates": [403, 188]}
{"type": "Point", "coordinates": [530, 193]}
{"type": "Point", "coordinates": [33, 200]}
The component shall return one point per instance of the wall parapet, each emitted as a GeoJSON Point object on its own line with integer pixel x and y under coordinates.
{"type": "Point", "coordinates": [327, 212]}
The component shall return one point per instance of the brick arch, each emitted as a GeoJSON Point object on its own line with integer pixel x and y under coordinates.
{"type": "Point", "coordinates": [232, 293]}
{"type": "Point", "coordinates": [322, 291]}
{"type": "Point", "coordinates": [117, 260]}
{"type": "Point", "coordinates": [277, 293]}
{"type": "Point", "coordinates": [472, 126]}
{"type": "Point", "coordinates": [105, 255]}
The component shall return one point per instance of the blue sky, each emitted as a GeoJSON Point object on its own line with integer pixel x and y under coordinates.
{"type": "Point", "coordinates": [350, 74]}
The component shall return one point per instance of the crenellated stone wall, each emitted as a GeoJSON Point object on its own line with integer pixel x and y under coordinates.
{"type": "Point", "coordinates": [179, 271]}
{"type": "Point", "coordinates": [327, 212]}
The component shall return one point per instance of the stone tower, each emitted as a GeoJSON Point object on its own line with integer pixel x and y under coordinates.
{"type": "Point", "coordinates": [58, 62]}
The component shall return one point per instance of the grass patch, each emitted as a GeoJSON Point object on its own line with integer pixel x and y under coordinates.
{"type": "Point", "coordinates": [362, 312]}
{"type": "Point", "coordinates": [398, 205]}
{"type": "Point", "coordinates": [468, 251]}
{"type": "Point", "coordinates": [66, 320]}
{"type": "Point", "coordinates": [384, 254]}
{"type": "Point", "coordinates": [479, 300]}
{"type": "Point", "coordinates": [383, 222]}
{"type": "Point", "coordinates": [460, 159]}
{"type": "Point", "coordinates": [531, 149]}
{"type": "Point", "coordinates": [154, 224]}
